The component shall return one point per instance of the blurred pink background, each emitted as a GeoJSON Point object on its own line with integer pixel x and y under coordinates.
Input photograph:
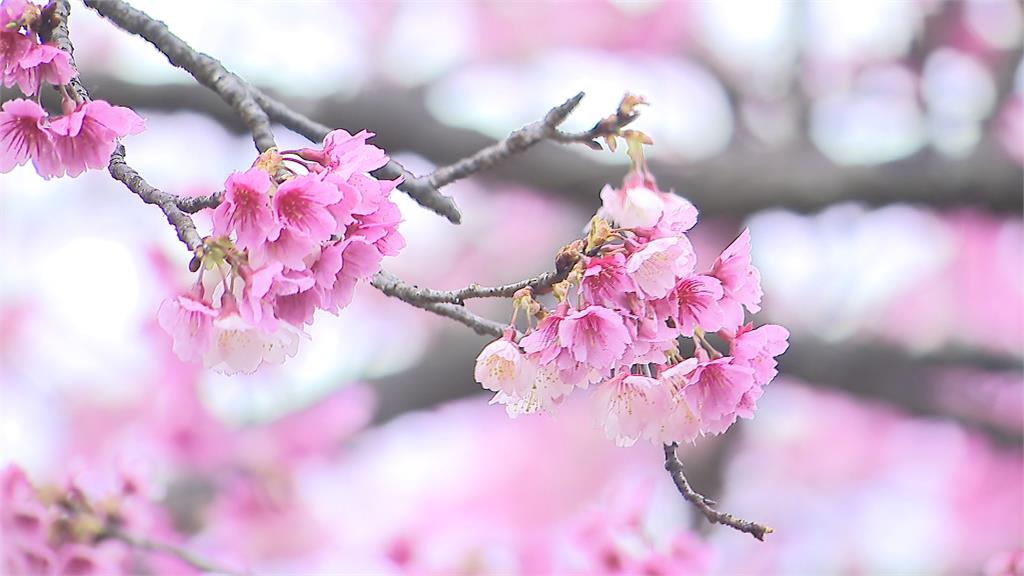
{"type": "Point", "coordinates": [874, 150]}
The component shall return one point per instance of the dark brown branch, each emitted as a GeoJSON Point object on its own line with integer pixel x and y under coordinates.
{"type": "Point", "coordinates": [737, 182]}
{"type": "Point", "coordinates": [703, 503]}
{"type": "Point", "coordinates": [393, 286]}
{"type": "Point", "coordinates": [420, 298]}
{"type": "Point", "coordinates": [528, 136]}
{"type": "Point", "coordinates": [118, 168]}
{"type": "Point", "coordinates": [181, 221]}
{"type": "Point", "coordinates": [203, 67]}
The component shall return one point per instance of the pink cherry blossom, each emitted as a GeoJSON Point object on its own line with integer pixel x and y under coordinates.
{"type": "Point", "coordinates": [87, 136]}
{"type": "Point", "coordinates": [340, 267]}
{"type": "Point", "coordinates": [631, 206]}
{"type": "Point", "coordinates": [346, 154]}
{"type": "Point", "coordinates": [657, 265]}
{"type": "Point", "coordinates": [24, 137]}
{"type": "Point", "coordinates": [40, 63]}
{"type": "Point", "coordinates": [595, 336]}
{"type": "Point", "coordinates": [605, 281]}
{"type": "Point", "coordinates": [632, 406]}
{"type": "Point", "coordinates": [716, 387]}
{"type": "Point", "coordinates": [741, 282]}
{"type": "Point", "coordinates": [545, 389]}
{"type": "Point", "coordinates": [680, 214]}
{"type": "Point", "coordinates": [758, 347]}
{"type": "Point", "coordinates": [238, 346]}
{"type": "Point", "coordinates": [13, 43]}
{"type": "Point", "coordinates": [682, 422]}
{"type": "Point", "coordinates": [543, 341]}
{"type": "Point", "coordinates": [502, 367]}
{"type": "Point", "coordinates": [376, 218]}
{"type": "Point", "coordinates": [245, 209]}
{"type": "Point", "coordinates": [300, 205]}
{"type": "Point", "coordinates": [304, 221]}
{"type": "Point", "coordinates": [697, 296]}
{"type": "Point", "coordinates": [298, 306]}
{"type": "Point", "coordinates": [189, 321]}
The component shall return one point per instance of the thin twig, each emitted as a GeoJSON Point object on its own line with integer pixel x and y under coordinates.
{"type": "Point", "coordinates": [418, 189]}
{"type": "Point", "coordinates": [150, 545]}
{"type": "Point", "coordinates": [203, 67]}
{"type": "Point", "coordinates": [393, 286]}
{"type": "Point", "coordinates": [57, 32]}
{"type": "Point", "coordinates": [703, 503]}
{"type": "Point", "coordinates": [414, 296]}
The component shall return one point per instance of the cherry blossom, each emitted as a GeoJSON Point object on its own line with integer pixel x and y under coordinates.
{"type": "Point", "coordinates": [741, 281]}
{"type": "Point", "coordinates": [85, 137]}
{"type": "Point", "coordinates": [632, 406]}
{"type": "Point", "coordinates": [655, 266]}
{"type": "Point", "coordinates": [502, 367]}
{"type": "Point", "coordinates": [24, 137]}
{"type": "Point", "coordinates": [189, 321]}
{"type": "Point", "coordinates": [245, 209]}
{"type": "Point", "coordinates": [239, 347]}
{"type": "Point", "coordinates": [717, 386]}
{"type": "Point", "coordinates": [595, 336]}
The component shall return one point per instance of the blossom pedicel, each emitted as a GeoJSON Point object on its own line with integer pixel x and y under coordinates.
{"type": "Point", "coordinates": [293, 234]}
{"type": "Point", "coordinates": [632, 293]}
{"type": "Point", "coordinates": [83, 137]}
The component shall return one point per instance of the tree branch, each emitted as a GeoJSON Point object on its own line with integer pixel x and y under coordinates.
{"type": "Point", "coordinates": [703, 503]}
{"type": "Point", "coordinates": [207, 70]}
{"type": "Point", "coordinates": [526, 137]}
{"type": "Point", "coordinates": [118, 168]}
{"type": "Point", "coordinates": [737, 182]}
{"type": "Point", "coordinates": [394, 286]}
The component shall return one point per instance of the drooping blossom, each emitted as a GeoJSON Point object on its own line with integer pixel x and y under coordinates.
{"type": "Point", "coordinates": [545, 389]}
{"type": "Point", "coordinates": [189, 321]}
{"type": "Point", "coordinates": [39, 63]}
{"type": "Point", "coordinates": [14, 44]}
{"type": "Point", "coordinates": [682, 422]}
{"type": "Point", "coordinates": [657, 265]}
{"type": "Point", "coordinates": [24, 137]}
{"type": "Point", "coordinates": [631, 406]}
{"type": "Point", "coordinates": [595, 336]}
{"type": "Point", "coordinates": [245, 209]}
{"type": "Point", "coordinates": [502, 367]}
{"type": "Point", "coordinates": [296, 298]}
{"type": "Point", "coordinates": [341, 266]}
{"type": "Point", "coordinates": [85, 137]}
{"type": "Point", "coordinates": [715, 390]}
{"type": "Point", "coordinates": [238, 346]}
{"type": "Point", "coordinates": [741, 281]}
{"type": "Point", "coordinates": [697, 297]}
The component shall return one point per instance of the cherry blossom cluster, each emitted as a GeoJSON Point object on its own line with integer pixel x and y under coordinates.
{"type": "Point", "coordinates": [83, 137]}
{"type": "Point", "coordinates": [61, 529]}
{"type": "Point", "coordinates": [632, 294]}
{"type": "Point", "coordinates": [293, 234]}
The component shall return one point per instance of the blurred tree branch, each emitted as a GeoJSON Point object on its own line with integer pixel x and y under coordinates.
{"type": "Point", "coordinates": [737, 182]}
{"type": "Point", "coordinates": [870, 372]}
